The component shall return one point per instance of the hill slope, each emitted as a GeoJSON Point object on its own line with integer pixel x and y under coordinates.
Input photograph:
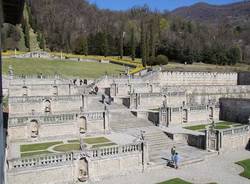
{"type": "Point", "coordinates": [211, 13]}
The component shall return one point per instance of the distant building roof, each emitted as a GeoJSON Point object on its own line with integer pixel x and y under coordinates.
{"type": "Point", "coordinates": [12, 11]}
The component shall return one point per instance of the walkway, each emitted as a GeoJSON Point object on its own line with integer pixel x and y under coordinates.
{"type": "Point", "coordinates": [220, 169]}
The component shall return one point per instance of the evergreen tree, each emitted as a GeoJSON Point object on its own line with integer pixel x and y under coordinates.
{"type": "Point", "coordinates": [152, 38]}
{"type": "Point", "coordinates": [25, 27]}
{"type": "Point", "coordinates": [105, 44]}
{"type": "Point", "coordinates": [122, 34]}
{"type": "Point", "coordinates": [143, 44]}
{"type": "Point", "coordinates": [234, 55]}
{"type": "Point", "coordinates": [85, 46]}
{"type": "Point", "coordinates": [132, 43]}
{"type": "Point", "coordinates": [147, 46]}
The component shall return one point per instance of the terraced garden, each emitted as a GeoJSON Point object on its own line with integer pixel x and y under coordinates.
{"type": "Point", "coordinates": [219, 125]}
{"type": "Point", "coordinates": [60, 146]}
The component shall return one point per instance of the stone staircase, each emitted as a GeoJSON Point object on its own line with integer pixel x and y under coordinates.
{"type": "Point", "coordinates": [123, 119]}
{"type": "Point", "coordinates": [158, 143]}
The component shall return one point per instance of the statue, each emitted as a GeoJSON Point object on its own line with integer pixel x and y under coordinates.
{"type": "Point", "coordinates": [11, 72]}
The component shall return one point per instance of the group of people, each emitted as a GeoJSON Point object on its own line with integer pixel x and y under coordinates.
{"type": "Point", "coordinates": [175, 158]}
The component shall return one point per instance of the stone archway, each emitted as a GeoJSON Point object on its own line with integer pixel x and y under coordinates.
{"type": "Point", "coordinates": [82, 125]}
{"type": "Point", "coordinates": [34, 129]}
{"type": "Point", "coordinates": [82, 170]}
{"type": "Point", "coordinates": [47, 106]}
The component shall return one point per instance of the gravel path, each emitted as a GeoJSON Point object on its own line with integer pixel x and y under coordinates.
{"type": "Point", "coordinates": [220, 169]}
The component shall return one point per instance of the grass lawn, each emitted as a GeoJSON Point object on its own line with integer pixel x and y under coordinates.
{"type": "Point", "coordinates": [172, 66]}
{"type": "Point", "coordinates": [67, 147]}
{"type": "Point", "coordinates": [37, 147]}
{"type": "Point", "coordinates": [96, 140]}
{"type": "Point", "coordinates": [74, 141]}
{"type": "Point", "coordinates": [246, 165]}
{"type": "Point", "coordinates": [64, 68]}
{"type": "Point", "coordinates": [26, 154]}
{"type": "Point", "coordinates": [103, 145]}
{"type": "Point", "coordinates": [196, 127]}
{"type": "Point", "coordinates": [220, 125]}
{"type": "Point", "coordinates": [175, 181]}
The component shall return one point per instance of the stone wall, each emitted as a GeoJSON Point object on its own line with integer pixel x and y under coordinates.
{"type": "Point", "coordinates": [42, 89]}
{"type": "Point", "coordinates": [195, 78]}
{"type": "Point", "coordinates": [115, 160]}
{"type": "Point", "coordinates": [20, 128]}
{"type": "Point", "coordinates": [42, 104]}
{"type": "Point", "coordinates": [236, 138]}
{"type": "Point", "coordinates": [188, 114]}
{"type": "Point", "coordinates": [235, 110]}
{"type": "Point", "coordinates": [56, 167]}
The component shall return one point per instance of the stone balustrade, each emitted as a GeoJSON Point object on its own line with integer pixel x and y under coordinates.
{"type": "Point", "coordinates": [63, 117]}
{"type": "Point", "coordinates": [40, 161]}
{"type": "Point", "coordinates": [236, 130]}
{"type": "Point", "coordinates": [110, 151]}
{"type": "Point", "coordinates": [42, 98]}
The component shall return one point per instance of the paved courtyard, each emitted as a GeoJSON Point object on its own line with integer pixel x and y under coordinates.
{"type": "Point", "coordinates": [220, 169]}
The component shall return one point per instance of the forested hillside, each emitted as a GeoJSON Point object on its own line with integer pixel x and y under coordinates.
{"type": "Point", "coordinates": [79, 27]}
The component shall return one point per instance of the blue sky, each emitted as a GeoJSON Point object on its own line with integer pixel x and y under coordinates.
{"type": "Point", "coordinates": [153, 4]}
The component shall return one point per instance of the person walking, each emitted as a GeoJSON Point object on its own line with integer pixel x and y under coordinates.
{"type": "Point", "coordinates": [173, 151]}
{"type": "Point", "coordinates": [176, 160]}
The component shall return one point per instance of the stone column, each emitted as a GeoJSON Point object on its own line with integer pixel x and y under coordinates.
{"type": "Point", "coordinates": [106, 121]}
{"type": "Point", "coordinates": [84, 102]}
{"type": "Point", "coordinates": [206, 139]}
{"type": "Point", "coordinates": [145, 155]}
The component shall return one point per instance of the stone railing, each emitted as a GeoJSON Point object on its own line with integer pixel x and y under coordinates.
{"type": "Point", "coordinates": [42, 98]}
{"type": "Point", "coordinates": [236, 130]}
{"type": "Point", "coordinates": [63, 117]}
{"type": "Point", "coordinates": [150, 94]}
{"type": "Point", "coordinates": [110, 151]}
{"type": "Point", "coordinates": [40, 161]}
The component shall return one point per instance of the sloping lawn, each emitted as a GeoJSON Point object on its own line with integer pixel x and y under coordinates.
{"type": "Point", "coordinates": [65, 68]}
{"type": "Point", "coordinates": [246, 165]}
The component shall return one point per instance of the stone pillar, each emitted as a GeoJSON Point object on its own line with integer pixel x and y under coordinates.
{"type": "Point", "coordinates": [84, 102]}
{"type": "Point", "coordinates": [145, 155]}
{"type": "Point", "coordinates": [151, 88]}
{"type": "Point", "coordinates": [69, 89]}
{"type": "Point", "coordinates": [206, 139]}
{"type": "Point", "coordinates": [131, 101]}
{"type": "Point", "coordinates": [106, 121]}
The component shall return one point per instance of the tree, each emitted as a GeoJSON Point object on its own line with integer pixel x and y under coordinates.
{"type": "Point", "coordinates": [143, 44]}
{"type": "Point", "coordinates": [41, 41]}
{"type": "Point", "coordinates": [159, 60]}
{"type": "Point", "coordinates": [152, 38]}
{"type": "Point", "coordinates": [122, 34]}
{"type": "Point", "coordinates": [132, 43]}
{"type": "Point", "coordinates": [147, 46]}
{"type": "Point", "coordinates": [105, 40]}
{"type": "Point", "coordinates": [26, 32]}
{"type": "Point", "coordinates": [234, 55]}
